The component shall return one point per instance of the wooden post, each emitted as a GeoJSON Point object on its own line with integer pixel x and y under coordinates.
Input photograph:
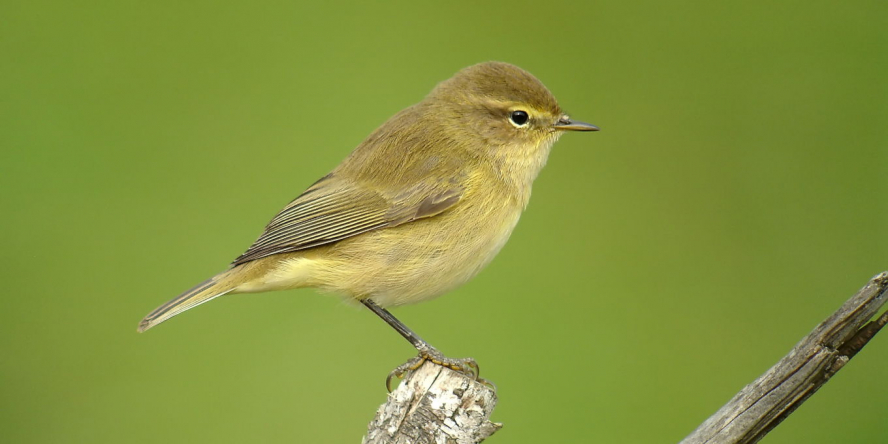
{"type": "Point", "coordinates": [435, 405]}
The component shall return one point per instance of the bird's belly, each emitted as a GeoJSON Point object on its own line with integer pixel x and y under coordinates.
{"type": "Point", "coordinates": [416, 261]}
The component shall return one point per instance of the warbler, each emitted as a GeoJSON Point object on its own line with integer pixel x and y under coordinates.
{"type": "Point", "coordinates": [418, 208]}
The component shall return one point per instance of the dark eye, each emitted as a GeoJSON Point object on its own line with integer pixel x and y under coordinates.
{"type": "Point", "coordinates": [519, 118]}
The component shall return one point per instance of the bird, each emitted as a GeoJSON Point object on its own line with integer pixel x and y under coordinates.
{"type": "Point", "coordinates": [417, 209]}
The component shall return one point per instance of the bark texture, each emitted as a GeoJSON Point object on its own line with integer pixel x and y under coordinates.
{"type": "Point", "coordinates": [768, 400]}
{"type": "Point", "coordinates": [435, 405]}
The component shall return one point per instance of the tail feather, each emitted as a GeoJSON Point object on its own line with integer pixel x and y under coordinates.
{"type": "Point", "coordinates": [203, 292]}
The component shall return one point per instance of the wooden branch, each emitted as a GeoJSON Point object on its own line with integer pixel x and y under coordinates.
{"type": "Point", "coordinates": [434, 405]}
{"type": "Point", "coordinates": [768, 400]}
{"type": "Point", "coordinates": [437, 405]}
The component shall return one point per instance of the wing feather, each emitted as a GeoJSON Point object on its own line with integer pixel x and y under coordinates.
{"type": "Point", "coordinates": [334, 209]}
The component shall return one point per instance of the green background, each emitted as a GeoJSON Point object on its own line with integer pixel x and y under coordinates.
{"type": "Point", "coordinates": [735, 197]}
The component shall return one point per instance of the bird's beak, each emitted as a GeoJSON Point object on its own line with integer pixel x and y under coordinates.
{"type": "Point", "coordinates": [566, 124]}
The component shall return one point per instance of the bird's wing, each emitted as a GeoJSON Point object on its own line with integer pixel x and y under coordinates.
{"type": "Point", "coordinates": [334, 209]}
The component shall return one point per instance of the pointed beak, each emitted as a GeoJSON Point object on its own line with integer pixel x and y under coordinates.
{"type": "Point", "coordinates": [566, 124]}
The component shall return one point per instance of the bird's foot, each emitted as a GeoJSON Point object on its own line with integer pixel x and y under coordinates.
{"type": "Point", "coordinates": [466, 366]}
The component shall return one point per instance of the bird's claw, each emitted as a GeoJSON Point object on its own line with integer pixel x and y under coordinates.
{"type": "Point", "coordinates": [466, 366]}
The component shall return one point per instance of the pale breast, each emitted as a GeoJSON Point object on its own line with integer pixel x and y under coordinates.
{"type": "Point", "coordinates": [422, 259]}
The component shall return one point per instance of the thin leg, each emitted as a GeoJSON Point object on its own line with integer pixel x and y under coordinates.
{"type": "Point", "coordinates": [399, 326]}
{"type": "Point", "coordinates": [426, 351]}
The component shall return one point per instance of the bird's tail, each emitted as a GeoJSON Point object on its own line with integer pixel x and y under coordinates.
{"type": "Point", "coordinates": [207, 290]}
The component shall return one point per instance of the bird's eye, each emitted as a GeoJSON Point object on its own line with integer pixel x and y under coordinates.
{"type": "Point", "coordinates": [519, 118]}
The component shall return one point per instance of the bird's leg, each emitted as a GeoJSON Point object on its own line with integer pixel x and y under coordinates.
{"type": "Point", "coordinates": [467, 366]}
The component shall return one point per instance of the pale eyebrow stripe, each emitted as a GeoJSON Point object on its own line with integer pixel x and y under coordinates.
{"type": "Point", "coordinates": [512, 105]}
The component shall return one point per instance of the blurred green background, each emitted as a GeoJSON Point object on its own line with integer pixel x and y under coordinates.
{"type": "Point", "coordinates": [735, 197]}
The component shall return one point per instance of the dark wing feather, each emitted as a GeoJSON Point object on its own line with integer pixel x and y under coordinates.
{"type": "Point", "coordinates": [334, 209]}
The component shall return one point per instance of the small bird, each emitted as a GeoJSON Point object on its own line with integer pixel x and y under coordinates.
{"type": "Point", "coordinates": [417, 209]}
